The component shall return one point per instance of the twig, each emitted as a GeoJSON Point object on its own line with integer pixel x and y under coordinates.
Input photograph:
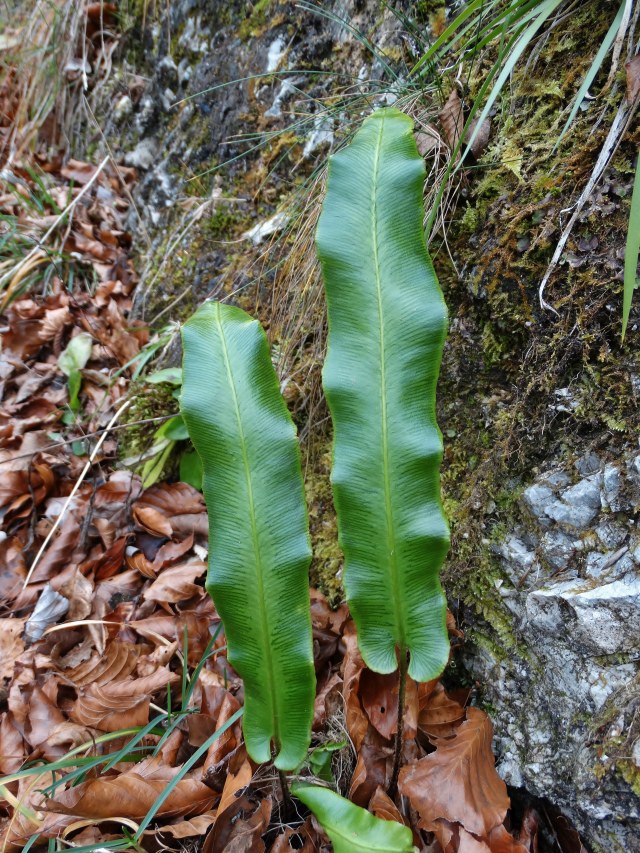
{"type": "Point", "coordinates": [79, 481]}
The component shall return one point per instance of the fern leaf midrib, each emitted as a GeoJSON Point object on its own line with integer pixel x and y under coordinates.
{"type": "Point", "coordinates": [391, 539]}
{"type": "Point", "coordinates": [264, 628]}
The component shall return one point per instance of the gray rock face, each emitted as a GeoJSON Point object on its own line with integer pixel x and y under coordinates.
{"type": "Point", "coordinates": [569, 694]}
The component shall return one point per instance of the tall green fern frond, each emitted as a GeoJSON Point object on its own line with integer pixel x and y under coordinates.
{"type": "Point", "coordinates": [387, 325]}
{"type": "Point", "coordinates": [259, 550]}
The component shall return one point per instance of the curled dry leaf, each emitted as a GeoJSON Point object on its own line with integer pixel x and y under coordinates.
{"type": "Point", "coordinates": [246, 834]}
{"type": "Point", "coordinates": [303, 838]}
{"type": "Point", "coordinates": [131, 795]}
{"type": "Point", "coordinates": [382, 806]}
{"type": "Point", "coordinates": [118, 662]}
{"type": "Point", "coordinates": [452, 119]}
{"type": "Point", "coordinates": [152, 521]}
{"type": "Point", "coordinates": [190, 828]}
{"type": "Point", "coordinates": [440, 714]}
{"type": "Point", "coordinates": [177, 583]}
{"type": "Point", "coordinates": [120, 704]}
{"type": "Point", "coordinates": [459, 782]}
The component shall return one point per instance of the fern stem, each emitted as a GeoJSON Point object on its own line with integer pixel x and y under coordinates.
{"type": "Point", "coordinates": [397, 751]}
{"type": "Point", "coordinates": [287, 802]}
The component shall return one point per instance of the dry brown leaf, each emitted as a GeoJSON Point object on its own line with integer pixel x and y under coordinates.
{"type": "Point", "coordinates": [246, 834]}
{"type": "Point", "coordinates": [452, 119]}
{"type": "Point", "coordinates": [459, 782]}
{"type": "Point", "coordinates": [440, 715]}
{"type": "Point", "coordinates": [131, 794]}
{"type": "Point", "coordinates": [303, 838]}
{"type": "Point", "coordinates": [379, 696]}
{"type": "Point", "coordinates": [633, 79]}
{"type": "Point", "coordinates": [371, 770]}
{"type": "Point", "coordinates": [171, 551]}
{"type": "Point", "coordinates": [78, 590]}
{"type": "Point", "coordinates": [356, 720]}
{"type": "Point", "coordinates": [120, 704]}
{"type": "Point", "coordinates": [231, 738]}
{"type": "Point", "coordinates": [11, 745]}
{"type": "Point", "coordinates": [152, 521]}
{"type": "Point", "coordinates": [118, 662]}
{"type": "Point", "coordinates": [328, 691]}
{"type": "Point", "coordinates": [382, 806]}
{"type": "Point", "coordinates": [177, 583]}
{"type": "Point", "coordinates": [172, 499]}
{"type": "Point", "coordinates": [468, 843]}
{"type": "Point", "coordinates": [237, 779]}
{"type": "Point", "coordinates": [500, 840]}
{"type": "Point", "coordinates": [11, 645]}
{"type": "Point", "coordinates": [189, 828]}
{"type": "Point", "coordinates": [42, 716]}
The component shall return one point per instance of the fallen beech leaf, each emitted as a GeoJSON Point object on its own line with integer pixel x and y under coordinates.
{"type": "Point", "coordinates": [60, 550]}
{"type": "Point", "coordinates": [120, 704]}
{"type": "Point", "coordinates": [131, 795]}
{"type": "Point", "coordinates": [74, 170]}
{"type": "Point", "coordinates": [356, 720]}
{"type": "Point", "coordinates": [303, 838]}
{"type": "Point", "coordinates": [379, 695]}
{"type": "Point", "coordinates": [325, 695]}
{"type": "Point", "coordinates": [459, 781]}
{"type": "Point", "coordinates": [13, 569]}
{"type": "Point", "coordinates": [452, 119]}
{"type": "Point", "coordinates": [116, 664]}
{"type": "Point", "coordinates": [42, 716]}
{"type": "Point", "coordinates": [173, 499]}
{"type": "Point", "coordinates": [440, 715]}
{"type": "Point", "coordinates": [11, 745]}
{"type": "Point", "coordinates": [11, 644]}
{"type": "Point", "coordinates": [171, 551]}
{"type": "Point", "coordinates": [468, 843]}
{"type": "Point", "coordinates": [427, 139]}
{"type": "Point", "coordinates": [79, 592]}
{"type": "Point", "coordinates": [633, 79]}
{"type": "Point", "coordinates": [382, 806]}
{"type": "Point", "coordinates": [230, 739]}
{"type": "Point", "coordinates": [152, 521]}
{"type": "Point", "coordinates": [190, 828]}
{"type": "Point", "coordinates": [372, 768]}
{"type": "Point", "coordinates": [177, 583]}
{"type": "Point", "coordinates": [501, 841]}
{"type": "Point", "coordinates": [245, 835]}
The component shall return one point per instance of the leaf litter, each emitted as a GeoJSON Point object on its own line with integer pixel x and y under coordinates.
{"type": "Point", "coordinates": [113, 671]}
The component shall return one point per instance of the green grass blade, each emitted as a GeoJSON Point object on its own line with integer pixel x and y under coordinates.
{"type": "Point", "coordinates": [445, 39]}
{"type": "Point", "coordinates": [387, 325]}
{"type": "Point", "coordinates": [596, 65]}
{"type": "Point", "coordinates": [632, 249]}
{"type": "Point", "coordinates": [350, 828]}
{"type": "Point", "coordinates": [260, 550]}
{"type": "Point", "coordinates": [546, 10]}
{"type": "Point", "coordinates": [202, 750]}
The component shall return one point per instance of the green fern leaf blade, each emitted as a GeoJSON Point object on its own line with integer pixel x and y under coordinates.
{"type": "Point", "coordinates": [259, 550]}
{"type": "Point", "coordinates": [387, 325]}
